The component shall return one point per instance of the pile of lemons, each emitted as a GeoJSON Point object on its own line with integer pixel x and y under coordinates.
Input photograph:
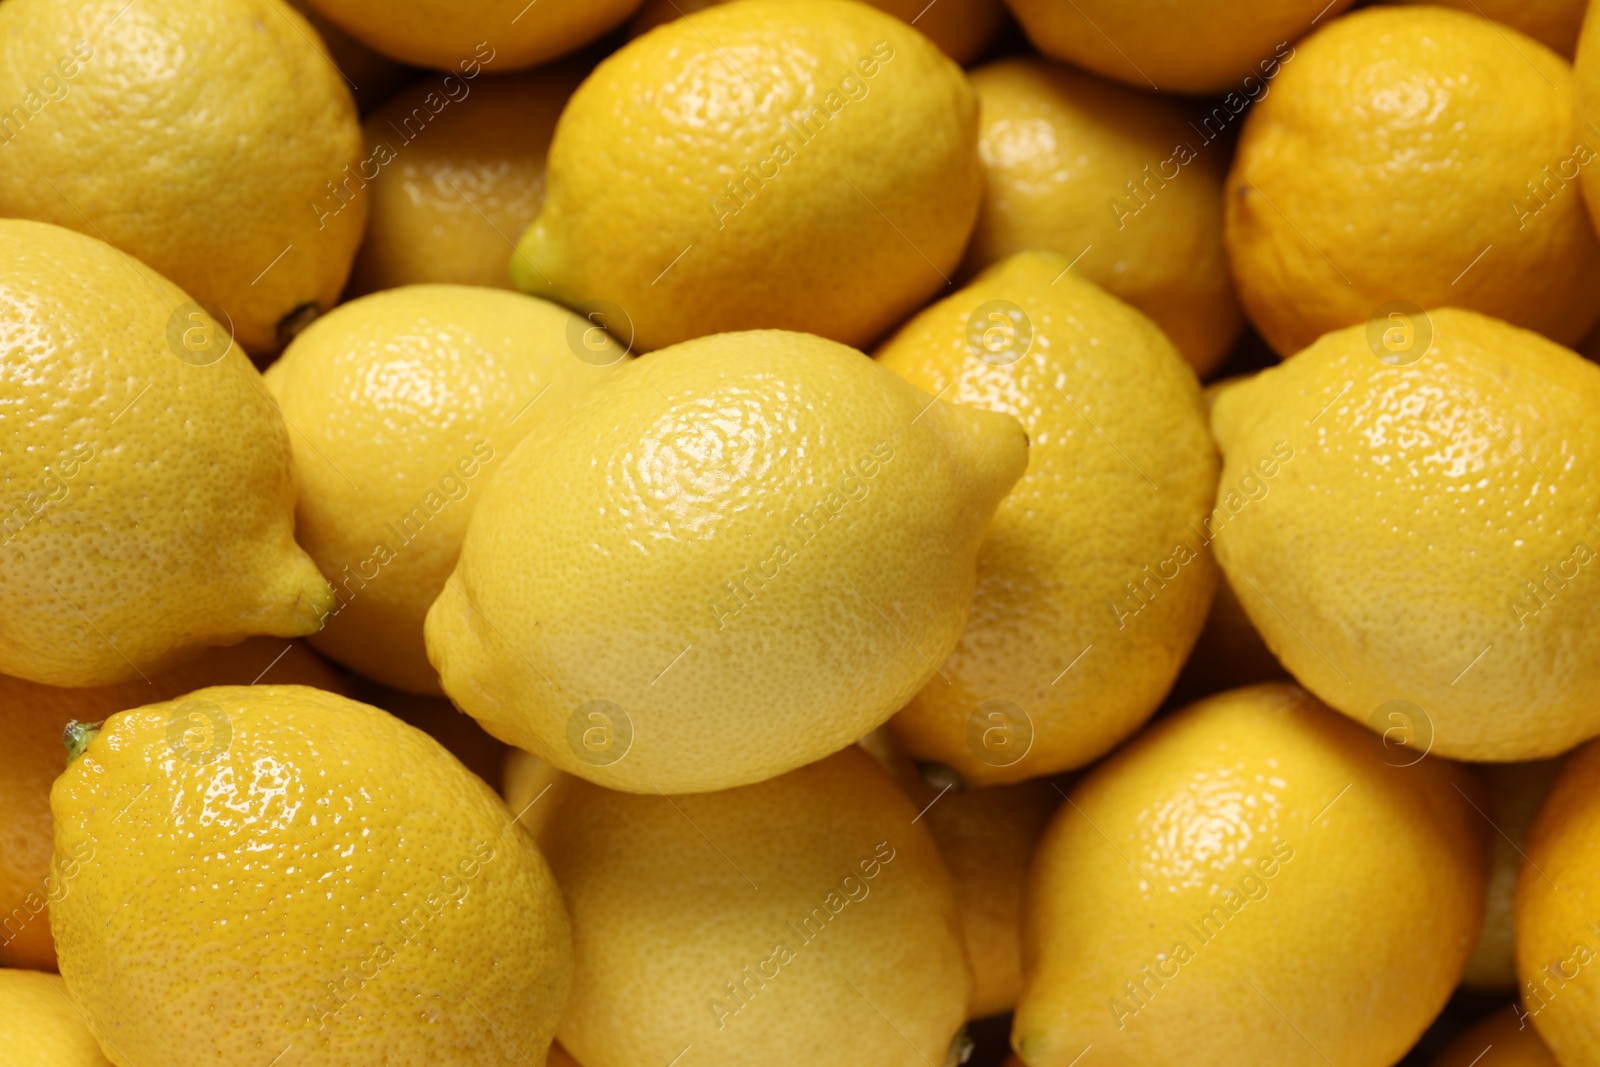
{"type": "Point", "coordinates": [691, 534]}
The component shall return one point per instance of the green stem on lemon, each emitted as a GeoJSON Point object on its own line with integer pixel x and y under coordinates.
{"type": "Point", "coordinates": [77, 736]}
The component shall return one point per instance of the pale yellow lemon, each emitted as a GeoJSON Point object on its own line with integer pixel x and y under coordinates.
{"type": "Point", "coordinates": [202, 137]}
{"type": "Point", "coordinates": [1503, 1039]}
{"type": "Point", "coordinates": [502, 36]}
{"type": "Point", "coordinates": [737, 555]}
{"type": "Point", "coordinates": [284, 868]}
{"type": "Point", "coordinates": [406, 401]}
{"type": "Point", "coordinates": [1206, 47]}
{"type": "Point", "coordinates": [1095, 576]}
{"type": "Point", "coordinates": [803, 919]}
{"type": "Point", "coordinates": [764, 164]}
{"type": "Point", "coordinates": [1249, 881]}
{"type": "Point", "coordinates": [1514, 792]}
{"type": "Point", "coordinates": [1425, 557]}
{"type": "Point", "coordinates": [40, 1026]}
{"type": "Point", "coordinates": [150, 501]}
{"type": "Point", "coordinates": [1414, 154]}
{"type": "Point", "coordinates": [458, 171]}
{"type": "Point", "coordinates": [1117, 181]}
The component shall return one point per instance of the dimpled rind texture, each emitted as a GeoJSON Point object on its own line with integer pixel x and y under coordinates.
{"type": "Point", "coordinates": [755, 547]}
{"type": "Point", "coordinates": [1395, 149]}
{"type": "Point", "coordinates": [683, 186]}
{"type": "Point", "coordinates": [150, 500]}
{"type": "Point", "coordinates": [407, 401]}
{"type": "Point", "coordinates": [1556, 920]}
{"type": "Point", "coordinates": [39, 1026]}
{"type": "Point", "coordinates": [964, 29]}
{"type": "Point", "coordinates": [1058, 149]}
{"type": "Point", "coordinates": [1186, 46]}
{"type": "Point", "coordinates": [1504, 1039]}
{"type": "Point", "coordinates": [1250, 882]}
{"type": "Point", "coordinates": [1432, 539]}
{"type": "Point", "coordinates": [662, 921]}
{"type": "Point", "coordinates": [443, 33]}
{"type": "Point", "coordinates": [1121, 470]}
{"type": "Point", "coordinates": [462, 181]}
{"type": "Point", "coordinates": [290, 872]}
{"type": "Point", "coordinates": [197, 137]}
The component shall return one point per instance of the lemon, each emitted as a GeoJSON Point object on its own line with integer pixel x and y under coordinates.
{"type": "Point", "coordinates": [291, 873]}
{"type": "Point", "coordinates": [1249, 881]}
{"type": "Point", "coordinates": [802, 920]}
{"type": "Point", "coordinates": [464, 177]}
{"type": "Point", "coordinates": [1515, 791]}
{"type": "Point", "coordinates": [1586, 107]}
{"type": "Point", "coordinates": [210, 139]}
{"type": "Point", "coordinates": [372, 77]}
{"type": "Point", "coordinates": [762, 164]}
{"type": "Point", "coordinates": [648, 548]}
{"type": "Point", "coordinates": [506, 36]}
{"type": "Point", "coordinates": [1558, 946]}
{"type": "Point", "coordinates": [148, 483]}
{"type": "Point", "coordinates": [1423, 561]}
{"type": "Point", "coordinates": [1413, 154]}
{"type": "Point", "coordinates": [406, 401]}
{"type": "Point", "coordinates": [964, 29]}
{"type": "Point", "coordinates": [40, 1026]}
{"type": "Point", "coordinates": [481, 754]}
{"type": "Point", "coordinates": [1500, 1040]}
{"type": "Point", "coordinates": [1094, 578]}
{"type": "Point", "coordinates": [1118, 182]}
{"type": "Point", "coordinates": [1553, 23]}
{"type": "Point", "coordinates": [37, 714]}
{"type": "Point", "coordinates": [1177, 45]}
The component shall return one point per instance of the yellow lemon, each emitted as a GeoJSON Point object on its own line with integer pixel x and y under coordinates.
{"type": "Point", "coordinates": [444, 35]}
{"type": "Point", "coordinates": [1514, 792]}
{"type": "Point", "coordinates": [290, 870]}
{"type": "Point", "coordinates": [1586, 109]}
{"type": "Point", "coordinates": [1557, 925]}
{"type": "Point", "coordinates": [801, 920]}
{"type": "Point", "coordinates": [624, 577]}
{"type": "Point", "coordinates": [372, 77]}
{"type": "Point", "coordinates": [1094, 578]}
{"type": "Point", "coordinates": [458, 171]}
{"type": "Point", "coordinates": [37, 714]}
{"type": "Point", "coordinates": [1118, 182]}
{"type": "Point", "coordinates": [40, 1026]}
{"type": "Point", "coordinates": [1503, 1039]}
{"type": "Point", "coordinates": [203, 137]}
{"type": "Point", "coordinates": [405, 400]}
{"type": "Point", "coordinates": [963, 28]}
{"type": "Point", "coordinates": [802, 166]}
{"type": "Point", "coordinates": [1425, 558]}
{"type": "Point", "coordinates": [1553, 23]}
{"type": "Point", "coordinates": [1413, 154]}
{"type": "Point", "coordinates": [481, 754]}
{"type": "Point", "coordinates": [150, 499]}
{"type": "Point", "coordinates": [1208, 46]}
{"type": "Point", "coordinates": [1249, 881]}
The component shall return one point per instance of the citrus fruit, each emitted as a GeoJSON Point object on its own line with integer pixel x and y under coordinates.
{"type": "Point", "coordinates": [152, 499]}
{"type": "Point", "coordinates": [1413, 154]}
{"type": "Point", "coordinates": [407, 400]}
{"type": "Point", "coordinates": [40, 1026]}
{"type": "Point", "coordinates": [229, 168]}
{"type": "Point", "coordinates": [463, 176]}
{"type": "Point", "coordinates": [800, 920]}
{"type": "Point", "coordinates": [1119, 183]}
{"type": "Point", "coordinates": [1500, 1040]}
{"type": "Point", "coordinates": [645, 548]}
{"type": "Point", "coordinates": [394, 912]}
{"type": "Point", "coordinates": [1249, 881]}
{"type": "Point", "coordinates": [1420, 561]}
{"type": "Point", "coordinates": [764, 164]}
{"type": "Point", "coordinates": [1514, 792]}
{"type": "Point", "coordinates": [1553, 23]}
{"type": "Point", "coordinates": [1094, 577]}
